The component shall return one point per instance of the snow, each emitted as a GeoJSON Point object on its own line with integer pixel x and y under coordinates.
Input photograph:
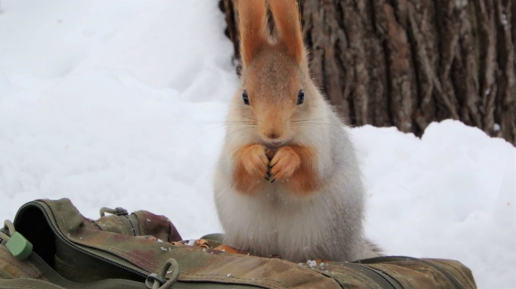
{"type": "Point", "coordinates": [121, 103]}
{"type": "Point", "coordinates": [311, 263]}
{"type": "Point", "coordinates": [496, 127]}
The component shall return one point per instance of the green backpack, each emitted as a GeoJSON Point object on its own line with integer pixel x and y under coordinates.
{"type": "Point", "coordinates": [51, 245]}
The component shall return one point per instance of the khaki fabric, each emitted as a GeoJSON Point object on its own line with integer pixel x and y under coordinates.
{"type": "Point", "coordinates": [132, 246]}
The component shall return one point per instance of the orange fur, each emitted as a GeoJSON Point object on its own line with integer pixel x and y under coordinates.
{"type": "Point", "coordinates": [284, 163]}
{"type": "Point", "coordinates": [229, 249]}
{"type": "Point", "coordinates": [286, 17]}
{"type": "Point", "coordinates": [253, 28]}
{"type": "Point", "coordinates": [304, 179]}
{"type": "Point", "coordinates": [273, 98]}
{"type": "Point", "coordinates": [250, 168]}
{"type": "Point", "coordinates": [273, 84]}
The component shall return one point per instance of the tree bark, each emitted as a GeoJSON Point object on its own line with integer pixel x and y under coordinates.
{"type": "Point", "coordinates": [407, 63]}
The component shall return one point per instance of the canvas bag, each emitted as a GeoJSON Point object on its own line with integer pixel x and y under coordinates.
{"type": "Point", "coordinates": [143, 250]}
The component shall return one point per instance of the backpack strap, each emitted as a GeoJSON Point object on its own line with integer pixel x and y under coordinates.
{"type": "Point", "coordinates": [56, 281]}
{"type": "Point", "coordinates": [27, 283]}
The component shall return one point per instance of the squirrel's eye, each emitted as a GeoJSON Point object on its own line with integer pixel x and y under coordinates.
{"type": "Point", "coordinates": [300, 97]}
{"type": "Point", "coordinates": [245, 97]}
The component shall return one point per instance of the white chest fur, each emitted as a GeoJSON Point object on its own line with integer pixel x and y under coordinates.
{"type": "Point", "coordinates": [275, 222]}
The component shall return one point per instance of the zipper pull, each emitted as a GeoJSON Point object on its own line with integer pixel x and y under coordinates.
{"type": "Point", "coordinates": [19, 247]}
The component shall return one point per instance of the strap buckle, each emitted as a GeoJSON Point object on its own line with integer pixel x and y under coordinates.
{"type": "Point", "coordinates": [19, 247]}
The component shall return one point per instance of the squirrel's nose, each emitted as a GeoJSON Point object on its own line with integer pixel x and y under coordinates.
{"type": "Point", "coordinates": [272, 129]}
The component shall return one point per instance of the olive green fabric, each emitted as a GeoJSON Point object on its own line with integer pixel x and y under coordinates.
{"type": "Point", "coordinates": [130, 247]}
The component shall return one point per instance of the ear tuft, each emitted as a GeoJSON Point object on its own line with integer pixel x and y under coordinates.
{"type": "Point", "coordinates": [252, 16]}
{"type": "Point", "coordinates": [288, 25]}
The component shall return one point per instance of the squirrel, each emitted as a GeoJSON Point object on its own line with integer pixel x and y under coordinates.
{"type": "Point", "coordinates": [287, 182]}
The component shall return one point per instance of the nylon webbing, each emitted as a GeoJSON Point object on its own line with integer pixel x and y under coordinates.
{"type": "Point", "coordinates": [24, 283]}
{"type": "Point", "coordinates": [456, 284]}
{"type": "Point", "coordinates": [55, 278]}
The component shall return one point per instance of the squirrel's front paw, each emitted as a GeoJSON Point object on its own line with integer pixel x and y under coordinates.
{"type": "Point", "coordinates": [284, 163]}
{"type": "Point", "coordinates": [255, 161]}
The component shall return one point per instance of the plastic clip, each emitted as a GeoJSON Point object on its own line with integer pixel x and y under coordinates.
{"type": "Point", "coordinates": [19, 247]}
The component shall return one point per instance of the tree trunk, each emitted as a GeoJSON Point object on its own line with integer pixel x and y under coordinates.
{"type": "Point", "coordinates": [410, 62]}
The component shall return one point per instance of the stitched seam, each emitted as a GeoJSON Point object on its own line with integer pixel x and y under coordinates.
{"type": "Point", "coordinates": [134, 257]}
{"type": "Point", "coordinates": [227, 280]}
{"type": "Point", "coordinates": [137, 258]}
{"type": "Point", "coordinates": [18, 286]}
{"type": "Point", "coordinates": [241, 278]}
{"type": "Point", "coordinates": [346, 275]}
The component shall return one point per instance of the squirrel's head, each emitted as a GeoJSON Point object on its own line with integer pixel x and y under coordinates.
{"type": "Point", "coordinates": [276, 94]}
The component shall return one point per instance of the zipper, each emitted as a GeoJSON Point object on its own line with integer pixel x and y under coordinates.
{"type": "Point", "coordinates": [61, 237]}
{"type": "Point", "coordinates": [44, 208]}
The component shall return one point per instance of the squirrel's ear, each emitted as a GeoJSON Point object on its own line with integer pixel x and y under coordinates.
{"type": "Point", "coordinates": [288, 25]}
{"type": "Point", "coordinates": [252, 16]}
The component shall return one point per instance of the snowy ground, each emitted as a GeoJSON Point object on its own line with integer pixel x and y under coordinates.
{"type": "Point", "coordinates": [121, 103]}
